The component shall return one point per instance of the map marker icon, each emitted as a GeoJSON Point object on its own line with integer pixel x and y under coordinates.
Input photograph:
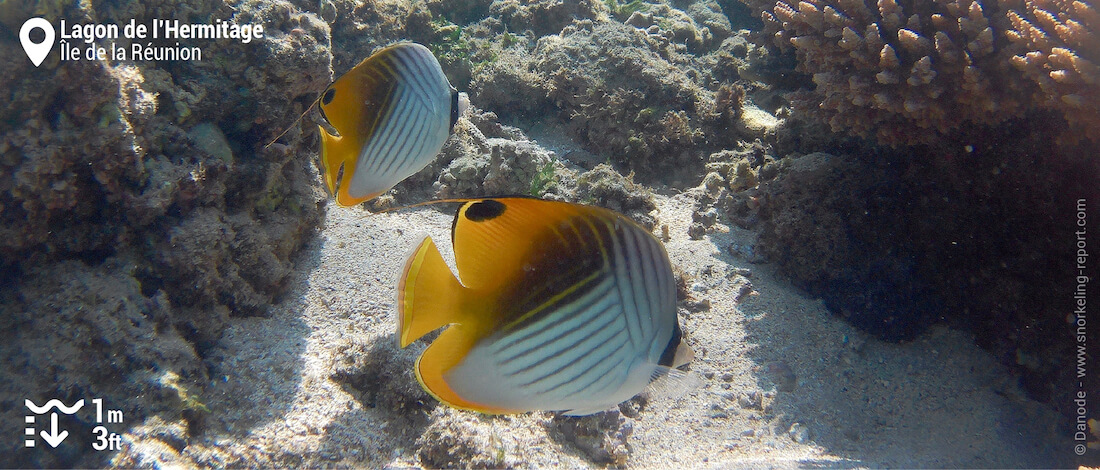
{"type": "Point", "coordinates": [36, 52]}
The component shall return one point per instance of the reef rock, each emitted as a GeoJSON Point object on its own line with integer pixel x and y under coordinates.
{"type": "Point", "coordinates": [139, 206]}
{"type": "Point", "coordinates": [623, 91]}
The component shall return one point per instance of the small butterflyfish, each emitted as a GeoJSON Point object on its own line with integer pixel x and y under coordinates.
{"type": "Point", "coordinates": [384, 120]}
{"type": "Point", "coordinates": [556, 307]}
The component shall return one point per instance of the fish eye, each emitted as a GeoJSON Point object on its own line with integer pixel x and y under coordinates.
{"type": "Point", "coordinates": [328, 96]}
{"type": "Point", "coordinates": [484, 210]}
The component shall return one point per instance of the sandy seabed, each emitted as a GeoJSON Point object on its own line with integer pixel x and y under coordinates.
{"type": "Point", "coordinates": [768, 357]}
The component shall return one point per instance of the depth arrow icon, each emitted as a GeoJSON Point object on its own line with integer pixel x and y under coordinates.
{"type": "Point", "coordinates": [53, 438]}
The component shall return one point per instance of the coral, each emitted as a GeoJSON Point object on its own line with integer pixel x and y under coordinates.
{"type": "Point", "coordinates": [92, 172]}
{"type": "Point", "coordinates": [896, 70]}
{"type": "Point", "coordinates": [740, 169]}
{"type": "Point", "coordinates": [460, 12]}
{"type": "Point", "coordinates": [676, 26]}
{"type": "Point", "coordinates": [709, 15]}
{"type": "Point", "coordinates": [911, 72]}
{"type": "Point", "coordinates": [494, 166]}
{"type": "Point", "coordinates": [514, 165]}
{"type": "Point", "coordinates": [508, 89]}
{"type": "Point", "coordinates": [210, 139]}
{"type": "Point", "coordinates": [510, 164]}
{"type": "Point", "coordinates": [227, 259]}
{"type": "Point", "coordinates": [1060, 41]}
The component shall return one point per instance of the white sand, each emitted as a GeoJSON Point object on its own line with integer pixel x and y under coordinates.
{"type": "Point", "coordinates": [938, 401]}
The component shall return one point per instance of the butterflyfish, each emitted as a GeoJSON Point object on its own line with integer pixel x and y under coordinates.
{"type": "Point", "coordinates": [556, 307]}
{"type": "Point", "coordinates": [386, 119]}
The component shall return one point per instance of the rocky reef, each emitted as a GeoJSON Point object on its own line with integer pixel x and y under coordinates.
{"type": "Point", "coordinates": [140, 208]}
{"type": "Point", "coordinates": [985, 108]}
{"type": "Point", "coordinates": [654, 90]}
{"type": "Point", "coordinates": [897, 241]}
{"type": "Point", "coordinates": [911, 72]}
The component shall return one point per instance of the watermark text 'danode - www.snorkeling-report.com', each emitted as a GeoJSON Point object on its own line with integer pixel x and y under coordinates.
{"type": "Point", "coordinates": [1079, 321]}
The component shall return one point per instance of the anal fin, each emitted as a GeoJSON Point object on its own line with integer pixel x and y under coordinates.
{"type": "Point", "coordinates": [428, 294]}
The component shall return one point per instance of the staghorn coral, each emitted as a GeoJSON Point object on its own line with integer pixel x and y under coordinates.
{"type": "Point", "coordinates": [899, 69]}
{"type": "Point", "coordinates": [1061, 53]}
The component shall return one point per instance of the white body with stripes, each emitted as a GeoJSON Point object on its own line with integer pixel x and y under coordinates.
{"type": "Point", "coordinates": [591, 353]}
{"type": "Point", "coordinates": [412, 131]}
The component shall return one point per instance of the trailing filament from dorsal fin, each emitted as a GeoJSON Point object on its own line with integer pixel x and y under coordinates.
{"type": "Point", "coordinates": [296, 122]}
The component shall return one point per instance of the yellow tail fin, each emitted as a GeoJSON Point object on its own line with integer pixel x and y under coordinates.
{"type": "Point", "coordinates": [428, 294]}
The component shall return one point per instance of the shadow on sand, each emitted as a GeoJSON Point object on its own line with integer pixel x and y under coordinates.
{"type": "Point", "coordinates": [937, 401]}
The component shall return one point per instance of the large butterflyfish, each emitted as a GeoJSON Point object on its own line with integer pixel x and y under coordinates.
{"type": "Point", "coordinates": [385, 119]}
{"type": "Point", "coordinates": [556, 307]}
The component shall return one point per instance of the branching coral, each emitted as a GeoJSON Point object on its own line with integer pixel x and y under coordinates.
{"type": "Point", "coordinates": [900, 69]}
{"type": "Point", "coordinates": [1061, 52]}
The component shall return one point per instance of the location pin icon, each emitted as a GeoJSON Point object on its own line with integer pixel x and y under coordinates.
{"type": "Point", "coordinates": [36, 52]}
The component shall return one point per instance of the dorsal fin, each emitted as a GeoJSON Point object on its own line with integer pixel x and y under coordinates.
{"type": "Point", "coordinates": [495, 240]}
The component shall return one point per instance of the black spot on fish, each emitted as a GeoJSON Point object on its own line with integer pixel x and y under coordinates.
{"type": "Point", "coordinates": [329, 95]}
{"type": "Point", "coordinates": [484, 210]}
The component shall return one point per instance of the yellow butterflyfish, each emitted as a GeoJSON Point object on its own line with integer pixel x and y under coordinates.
{"type": "Point", "coordinates": [391, 115]}
{"type": "Point", "coordinates": [557, 307]}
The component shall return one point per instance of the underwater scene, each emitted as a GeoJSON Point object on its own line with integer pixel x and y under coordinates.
{"type": "Point", "coordinates": [549, 234]}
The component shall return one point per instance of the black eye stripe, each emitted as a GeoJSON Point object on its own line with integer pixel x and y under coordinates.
{"type": "Point", "coordinates": [328, 96]}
